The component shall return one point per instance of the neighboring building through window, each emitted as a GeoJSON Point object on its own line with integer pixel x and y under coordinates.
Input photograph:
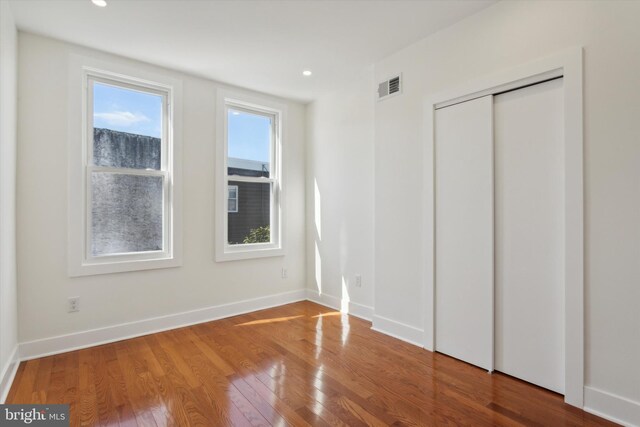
{"type": "Point", "coordinates": [252, 181]}
{"type": "Point", "coordinates": [232, 199]}
{"type": "Point", "coordinates": [255, 197]}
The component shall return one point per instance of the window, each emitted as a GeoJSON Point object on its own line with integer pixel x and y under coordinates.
{"type": "Point", "coordinates": [232, 199]}
{"type": "Point", "coordinates": [127, 168]}
{"type": "Point", "coordinates": [250, 179]}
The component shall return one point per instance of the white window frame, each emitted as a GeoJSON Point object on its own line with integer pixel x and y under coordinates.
{"type": "Point", "coordinates": [235, 188]}
{"type": "Point", "coordinates": [81, 261]}
{"type": "Point", "coordinates": [256, 105]}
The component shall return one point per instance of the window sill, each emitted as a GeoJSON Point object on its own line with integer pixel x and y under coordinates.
{"type": "Point", "coordinates": [244, 253]}
{"type": "Point", "coordinates": [91, 269]}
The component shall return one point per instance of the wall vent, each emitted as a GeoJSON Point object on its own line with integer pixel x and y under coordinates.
{"type": "Point", "coordinates": [390, 87]}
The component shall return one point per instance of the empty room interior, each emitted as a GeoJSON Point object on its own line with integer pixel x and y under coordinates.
{"type": "Point", "coordinates": [319, 212]}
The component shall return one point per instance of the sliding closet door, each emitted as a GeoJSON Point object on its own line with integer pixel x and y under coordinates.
{"type": "Point", "coordinates": [529, 243]}
{"type": "Point", "coordinates": [464, 231]}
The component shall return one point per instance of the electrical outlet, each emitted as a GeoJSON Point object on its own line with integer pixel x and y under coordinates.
{"type": "Point", "coordinates": [358, 281]}
{"type": "Point", "coordinates": [74, 304]}
{"type": "Point", "coordinates": [284, 273]}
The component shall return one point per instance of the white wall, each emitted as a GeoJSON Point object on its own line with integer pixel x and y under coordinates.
{"type": "Point", "coordinates": [111, 299]}
{"type": "Point", "coordinates": [8, 98]}
{"type": "Point", "coordinates": [503, 36]}
{"type": "Point", "coordinates": [340, 194]}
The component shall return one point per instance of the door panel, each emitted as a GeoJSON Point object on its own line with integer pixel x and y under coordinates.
{"type": "Point", "coordinates": [464, 231]}
{"type": "Point", "coordinates": [529, 234]}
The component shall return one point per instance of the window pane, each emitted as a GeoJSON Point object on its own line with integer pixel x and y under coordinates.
{"type": "Point", "coordinates": [233, 205]}
{"type": "Point", "coordinates": [251, 224]}
{"type": "Point", "coordinates": [249, 143]}
{"type": "Point", "coordinates": [126, 213]}
{"type": "Point", "coordinates": [127, 128]}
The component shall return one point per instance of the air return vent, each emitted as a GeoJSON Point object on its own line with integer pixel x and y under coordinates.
{"type": "Point", "coordinates": [390, 87]}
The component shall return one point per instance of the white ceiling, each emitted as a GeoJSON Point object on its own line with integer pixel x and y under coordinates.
{"type": "Point", "coordinates": [262, 44]}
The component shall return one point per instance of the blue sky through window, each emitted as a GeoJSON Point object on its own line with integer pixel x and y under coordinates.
{"type": "Point", "coordinates": [249, 136]}
{"type": "Point", "coordinates": [127, 110]}
{"type": "Point", "coordinates": [140, 113]}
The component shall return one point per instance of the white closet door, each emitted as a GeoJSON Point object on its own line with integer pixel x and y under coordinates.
{"type": "Point", "coordinates": [464, 231]}
{"type": "Point", "coordinates": [529, 249]}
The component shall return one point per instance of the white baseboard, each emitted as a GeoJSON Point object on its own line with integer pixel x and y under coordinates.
{"type": "Point", "coordinates": [362, 311]}
{"type": "Point", "coordinates": [8, 374]}
{"type": "Point", "coordinates": [63, 343]}
{"type": "Point", "coordinates": [611, 407]}
{"type": "Point", "coordinates": [358, 310]}
{"type": "Point", "coordinates": [381, 324]}
{"type": "Point", "coordinates": [398, 330]}
{"type": "Point", "coordinates": [324, 299]}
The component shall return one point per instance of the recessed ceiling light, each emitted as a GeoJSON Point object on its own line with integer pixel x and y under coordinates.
{"type": "Point", "coordinates": [307, 73]}
{"type": "Point", "coordinates": [99, 3]}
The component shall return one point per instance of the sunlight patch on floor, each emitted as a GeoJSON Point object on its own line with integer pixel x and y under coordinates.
{"type": "Point", "coordinates": [330, 313]}
{"type": "Point", "coordinates": [265, 321]}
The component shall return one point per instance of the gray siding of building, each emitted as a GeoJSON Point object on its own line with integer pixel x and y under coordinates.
{"type": "Point", "coordinates": [253, 210]}
{"type": "Point", "coordinates": [126, 209]}
{"type": "Point", "coordinates": [125, 150]}
{"type": "Point", "coordinates": [127, 213]}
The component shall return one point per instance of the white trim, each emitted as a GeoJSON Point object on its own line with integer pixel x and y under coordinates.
{"type": "Point", "coordinates": [504, 88]}
{"type": "Point", "coordinates": [257, 180]}
{"type": "Point", "coordinates": [81, 68]}
{"type": "Point", "coordinates": [260, 105]}
{"type": "Point", "coordinates": [8, 374]}
{"type": "Point", "coordinates": [324, 299]}
{"type": "Point", "coordinates": [360, 310]}
{"type": "Point", "coordinates": [399, 330]}
{"type": "Point", "coordinates": [602, 403]}
{"type": "Point", "coordinates": [345, 306]}
{"type": "Point", "coordinates": [91, 77]}
{"type": "Point", "coordinates": [255, 251]}
{"type": "Point", "coordinates": [79, 340]}
{"type": "Point", "coordinates": [569, 62]}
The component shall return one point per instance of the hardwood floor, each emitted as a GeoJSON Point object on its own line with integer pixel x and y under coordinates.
{"type": "Point", "coordinates": [299, 364]}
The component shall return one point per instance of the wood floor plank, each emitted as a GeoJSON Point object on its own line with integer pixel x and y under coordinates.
{"type": "Point", "coordinates": [285, 409]}
{"type": "Point", "coordinates": [87, 390]}
{"type": "Point", "coordinates": [238, 407]}
{"type": "Point", "coordinates": [140, 402]}
{"type": "Point", "coordinates": [300, 364]}
{"type": "Point", "coordinates": [178, 393]}
{"type": "Point", "coordinates": [317, 411]}
{"type": "Point", "coordinates": [24, 382]}
{"type": "Point", "coordinates": [56, 387]}
{"type": "Point", "coordinates": [72, 386]}
{"type": "Point", "coordinates": [43, 375]}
